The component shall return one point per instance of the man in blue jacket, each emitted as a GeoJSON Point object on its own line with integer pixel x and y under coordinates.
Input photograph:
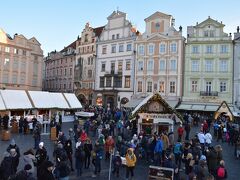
{"type": "Point", "coordinates": [158, 152]}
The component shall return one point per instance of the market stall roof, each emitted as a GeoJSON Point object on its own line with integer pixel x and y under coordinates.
{"type": "Point", "coordinates": [42, 99]}
{"type": "Point", "coordinates": [84, 114]}
{"type": "Point", "coordinates": [15, 99]}
{"type": "Point", "coordinates": [2, 105]}
{"type": "Point", "coordinates": [224, 108]}
{"type": "Point", "coordinates": [73, 101]}
{"type": "Point", "coordinates": [59, 100]}
{"type": "Point", "coordinates": [133, 103]}
{"type": "Point", "coordinates": [155, 104]}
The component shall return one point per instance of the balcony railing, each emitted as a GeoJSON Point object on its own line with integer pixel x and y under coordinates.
{"type": "Point", "coordinates": [208, 93]}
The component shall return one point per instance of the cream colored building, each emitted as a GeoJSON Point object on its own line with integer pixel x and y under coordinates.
{"type": "Point", "coordinates": [84, 78]}
{"type": "Point", "coordinates": [208, 71]}
{"type": "Point", "coordinates": [21, 62]}
{"type": "Point", "coordinates": [159, 58]}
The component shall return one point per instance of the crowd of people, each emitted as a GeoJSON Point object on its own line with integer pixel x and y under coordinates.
{"type": "Point", "coordinates": [110, 135]}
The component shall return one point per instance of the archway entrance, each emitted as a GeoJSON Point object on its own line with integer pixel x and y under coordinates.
{"type": "Point", "coordinates": [82, 99]}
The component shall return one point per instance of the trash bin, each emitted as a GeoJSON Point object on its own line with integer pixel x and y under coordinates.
{"type": "Point", "coordinates": [53, 134]}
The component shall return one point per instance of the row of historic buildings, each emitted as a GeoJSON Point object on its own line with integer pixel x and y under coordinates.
{"type": "Point", "coordinates": [114, 63]}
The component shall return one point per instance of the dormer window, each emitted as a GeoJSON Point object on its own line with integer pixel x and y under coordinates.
{"type": "Point", "coordinates": [157, 26]}
{"type": "Point", "coordinates": [86, 37]}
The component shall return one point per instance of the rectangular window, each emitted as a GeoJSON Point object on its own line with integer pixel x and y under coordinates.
{"type": "Point", "coordinates": [6, 63]}
{"type": "Point", "coordinates": [70, 71]}
{"type": "Point", "coordinates": [149, 86]}
{"type": "Point", "coordinates": [208, 65]}
{"type": "Point", "coordinates": [129, 47]}
{"type": "Point", "coordinates": [224, 49]}
{"type": "Point", "coordinates": [35, 68]}
{"type": "Point", "coordinates": [150, 65]}
{"type": "Point", "coordinates": [223, 86]}
{"type": "Point", "coordinates": [195, 65]}
{"type": "Point", "coordinates": [104, 50]}
{"type": "Point", "coordinates": [162, 48]}
{"type": "Point", "coordinates": [24, 52]}
{"type": "Point", "coordinates": [141, 50]}
{"type": "Point", "coordinates": [128, 65]}
{"type": "Point", "coordinates": [113, 36]}
{"type": "Point", "coordinates": [161, 87]}
{"type": "Point", "coordinates": [65, 71]}
{"type": "Point", "coordinates": [173, 47]}
{"type": "Point", "coordinates": [113, 48]}
{"type": "Point", "coordinates": [212, 33]}
{"type": "Point", "coordinates": [101, 82]}
{"type": "Point", "coordinates": [5, 78]}
{"type": "Point", "coordinates": [22, 79]}
{"type": "Point", "coordinates": [140, 65]}
{"type": "Point", "coordinates": [108, 81]}
{"type": "Point", "coordinates": [15, 65]}
{"type": "Point", "coordinates": [121, 47]}
{"type": "Point", "coordinates": [112, 67]}
{"type": "Point", "coordinates": [172, 87]}
{"type": "Point", "coordinates": [118, 36]}
{"type": "Point", "coordinates": [89, 73]}
{"type": "Point", "coordinates": [205, 33]}
{"type": "Point", "coordinates": [139, 89]}
{"type": "Point", "coordinates": [209, 49]}
{"type": "Point", "coordinates": [173, 65]}
{"type": "Point", "coordinates": [162, 65]}
{"type": "Point", "coordinates": [127, 82]}
{"type": "Point", "coordinates": [7, 49]}
{"type": "Point", "coordinates": [223, 65]}
{"type": "Point", "coordinates": [14, 78]}
{"type": "Point", "coordinates": [15, 51]}
{"type": "Point", "coordinates": [117, 82]}
{"type": "Point", "coordinates": [120, 66]}
{"type": "Point", "coordinates": [34, 81]}
{"type": "Point", "coordinates": [103, 67]}
{"type": "Point", "coordinates": [195, 50]}
{"type": "Point", "coordinates": [194, 86]}
{"type": "Point", "coordinates": [150, 49]}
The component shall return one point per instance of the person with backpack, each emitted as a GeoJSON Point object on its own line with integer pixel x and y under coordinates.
{"type": "Point", "coordinates": [177, 151]}
{"type": "Point", "coordinates": [221, 173]}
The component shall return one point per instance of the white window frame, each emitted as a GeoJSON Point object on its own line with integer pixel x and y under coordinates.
{"type": "Point", "coordinates": [173, 47]}
{"type": "Point", "coordinates": [141, 49]}
{"type": "Point", "coordinates": [194, 85]}
{"type": "Point", "coordinates": [150, 65]}
{"type": "Point", "coordinates": [223, 86]}
{"type": "Point", "coordinates": [172, 85]}
{"type": "Point", "coordinates": [195, 49]}
{"type": "Point", "coordinates": [162, 62]}
{"type": "Point", "coordinates": [149, 86]}
{"type": "Point", "coordinates": [209, 49]}
{"type": "Point", "coordinates": [140, 68]}
{"type": "Point", "coordinates": [173, 66]}
{"type": "Point", "coordinates": [223, 49]}
{"type": "Point", "coordinates": [208, 65]}
{"type": "Point", "coordinates": [223, 65]}
{"type": "Point", "coordinates": [195, 65]}
{"type": "Point", "coordinates": [151, 49]}
{"type": "Point", "coordinates": [162, 48]}
{"type": "Point", "coordinates": [138, 85]}
{"type": "Point", "coordinates": [162, 87]}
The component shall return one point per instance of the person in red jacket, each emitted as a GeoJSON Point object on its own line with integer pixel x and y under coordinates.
{"type": "Point", "coordinates": [109, 145]}
{"type": "Point", "coordinates": [83, 136]}
{"type": "Point", "coordinates": [205, 127]}
{"type": "Point", "coordinates": [180, 132]}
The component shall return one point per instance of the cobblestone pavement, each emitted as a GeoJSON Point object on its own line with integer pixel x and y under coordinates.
{"type": "Point", "coordinates": [141, 171]}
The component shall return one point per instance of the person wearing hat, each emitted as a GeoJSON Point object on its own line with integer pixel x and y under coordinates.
{"type": "Point", "coordinates": [117, 162]}
{"type": "Point", "coordinates": [130, 162]}
{"type": "Point", "coordinates": [46, 171]}
{"type": "Point", "coordinates": [41, 155]}
{"type": "Point", "coordinates": [13, 145]}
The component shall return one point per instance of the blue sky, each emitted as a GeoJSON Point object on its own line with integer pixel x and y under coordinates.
{"type": "Point", "coordinates": [57, 23]}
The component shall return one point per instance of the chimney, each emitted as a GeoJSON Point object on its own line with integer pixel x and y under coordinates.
{"type": "Point", "coordinates": [237, 29]}
{"type": "Point", "coordinates": [180, 28]}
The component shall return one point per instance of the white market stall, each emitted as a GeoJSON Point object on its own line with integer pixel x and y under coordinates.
{"type": "Point", "coordinates": [154, 114]}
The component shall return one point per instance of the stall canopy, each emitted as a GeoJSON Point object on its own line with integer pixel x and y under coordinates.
{"type": "Point", "coordinates": [23, 100]}
{"type": "Point", "coordinates": [73, 101]}
{"type": "Point", "coordinates": [15, 99]}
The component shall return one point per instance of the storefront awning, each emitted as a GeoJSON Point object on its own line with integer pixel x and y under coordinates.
{"type": "Point", "coordinates": [198, 107]}
{"type": "Point", "coordinates": [2, 106]}
{"type": "Point", "coordinates": [185, 107]}
{"type": "Point", "coordinates": [211, 108]}
{"type": "Point", "coordinates": [72, 101]}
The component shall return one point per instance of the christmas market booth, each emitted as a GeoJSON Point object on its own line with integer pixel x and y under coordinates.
{"type": "Point", "coordinates": [154, 114]}
{"type": "Point", "coordinates": [224, 110]}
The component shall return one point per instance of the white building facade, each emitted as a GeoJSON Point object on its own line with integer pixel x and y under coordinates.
{"type": "Point", "coordinates": [114, 80]}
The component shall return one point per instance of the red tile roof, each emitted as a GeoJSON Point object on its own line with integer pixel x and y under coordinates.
{"type": "Point", "coordinates": [98, 30]}
{"type": "Point", "coordinates": [72, 45]}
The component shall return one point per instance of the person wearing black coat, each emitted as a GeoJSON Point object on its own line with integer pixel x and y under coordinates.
{"type": "Point", "coordinates": [6, 167]}
{"type": "Point", "coordinates": [45, 171]}
{"type": "Point", "coordinates": [5, 122]}
{"type": "Point", "coordinates": [87, 149]}
{"type": "Point", "coordinates": [69, 151]}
